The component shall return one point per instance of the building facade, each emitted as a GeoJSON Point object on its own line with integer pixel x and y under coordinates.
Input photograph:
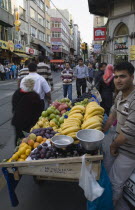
{"type": "Point", "coordinates": [60, 33]}
{"type": "Point", "coordinates": [6, 25]}
{"type": "Point", "coordinates": [120, 28]}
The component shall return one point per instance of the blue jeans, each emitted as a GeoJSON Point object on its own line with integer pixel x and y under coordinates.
{"type": "Point", "coordinates": [67, 90]}
{"type": "Point", "coordinates": [7, 75]}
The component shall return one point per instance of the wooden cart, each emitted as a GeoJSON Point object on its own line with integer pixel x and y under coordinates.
{"type": "Point", "coordinates": [67, 169]}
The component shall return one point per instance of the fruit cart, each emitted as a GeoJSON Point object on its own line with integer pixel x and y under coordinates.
{"type": "Point", "coordinates": [62, 169]}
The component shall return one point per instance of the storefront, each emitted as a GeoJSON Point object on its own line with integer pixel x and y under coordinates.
{"type": "Point", "coordinates": [5, 52]}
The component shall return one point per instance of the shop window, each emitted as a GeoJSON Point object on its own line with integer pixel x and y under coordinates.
{"type": "Point", "coordinates": [40, 20]}
{"type": "Point", "coordinates": [33, 31]}
{"type": "Point", "coordinates": [121, 30]}
{"type": "Point", "coordinates": [22, 13]}
{"type": "Point", "coordinates": [32, 13]}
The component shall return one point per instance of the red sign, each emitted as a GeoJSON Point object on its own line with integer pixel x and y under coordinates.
{"type": "Point", "coordinates": [31, 51]}
{"type": "Point", "coordinates": [99, 34]}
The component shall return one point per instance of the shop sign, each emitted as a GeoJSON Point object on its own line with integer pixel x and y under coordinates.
{"type": "Point", "coordinates": [132, 52]}
{"type": "Point", "coordinates": [31, 51]}
{"type": "Point", "coordinates": [55, 47]}
{"type": "Point", "coordinates": [97, 48]}
{"type": "Point", "coordinates": [19, 48]}
{"type": "Point", "coordinates": [100, 34]}
{"type": "Point", "coordinates": [121, 43]}
{"type": "Point", "coordinates": [4, 45]}
{"type": "Point", "coordinates": [11, 46]}
{"type": "Point", "coordinates": [56, 43]}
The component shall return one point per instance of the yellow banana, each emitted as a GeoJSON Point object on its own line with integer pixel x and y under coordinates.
{"type": "Point", "coordinates": [88, 123]}
{"type": "Point", "coordinates": [99, 128]}
{"type": "Point", "coordinates": [94, 126]}
{"type": "Point", "coordinates": [78, 107]}
{"type": "Point", "coordinates": [70, 126]}
{"type": "Point", "coordinates": [74, 112]}
{"type": "Point", "coordinates": [99, 119]}
{"type": "Point", "coordinates": [70, 130]}
{"type": "Point", "coordinates": [73, 135]}
{"type": "Point", "coordinates": [78, 115]}
{"type": "Point", "coordinates": [73, 120]}
{"type": "Point", "coordinates": [93, 109]}
{"type": "Point", "coordinates": [93, 114]}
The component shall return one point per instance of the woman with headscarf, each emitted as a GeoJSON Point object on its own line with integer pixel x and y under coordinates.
{"type": "Point", "coordinates": [26, 107]}
{"type": "Point", "coordinates": [106, 88]}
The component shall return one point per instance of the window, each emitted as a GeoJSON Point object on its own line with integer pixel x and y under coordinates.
{"type": "Point", "coordinates": [22, 13]}
{"type": "Point", "coordinates": [41, 36]}
{"type": "Point", "coordinates": [48, 38]}
{"type": "Point", "coordinates": [40, 20]}
{"type": "Point", "coordinates": [6, 4]}
{"type": "Point", "coordinates": [41, 5]}
{"type": "Point", "coordinates": [33, 31]}
{"type": "Point", "coordinates": [56, 34]}
{"type": "Point", "coordinates": [56, 25]}
{"type": "Point", "coordinates": [32, 13]}
{"type": "Point", "coordinates": [48, 24]}
{"type": "Point", "coordinates": [46, 9]}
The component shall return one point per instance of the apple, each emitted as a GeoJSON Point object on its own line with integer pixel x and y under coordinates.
{"type": "Point", "coordinates": [52, 116]}
{"type": "Point", "coordinates": [50, 110]}
{"type": "Point", "coordinates": [61, 120]}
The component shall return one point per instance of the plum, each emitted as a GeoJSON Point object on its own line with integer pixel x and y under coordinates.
{"type": "Point", "coordinates": [47, 131]}
{"type": "Point", "coordinates": [39, 147]}
{"type": "Point", "coordinates": [45, 144]}
{"type": "Point", "coordinates": [47, 136]}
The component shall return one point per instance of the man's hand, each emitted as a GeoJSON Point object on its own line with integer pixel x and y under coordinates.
{"type": "Point", "coordinates": [114, 149]}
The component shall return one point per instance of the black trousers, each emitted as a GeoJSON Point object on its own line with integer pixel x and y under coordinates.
{"type": "Point", "coordinates": [80, 86]}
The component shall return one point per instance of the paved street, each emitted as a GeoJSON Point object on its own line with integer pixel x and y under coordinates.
{"type": "Point", "coordinates": [49, 195]}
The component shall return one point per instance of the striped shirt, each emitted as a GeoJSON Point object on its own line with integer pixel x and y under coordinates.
{"type": "Point", "coordinates": [67, 76]}
{"type": "Point", "coordinates": [125, 112]}
{"type": "Point", "coordinates": [22, 73]}
{"type": "Point", "coordinates": [45, 71]}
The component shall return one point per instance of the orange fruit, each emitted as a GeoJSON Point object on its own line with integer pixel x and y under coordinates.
{"type": "Point", "coordinates": [30, 142]}
{"type": "Point", "coordinates": [36, 144]}
{"type": "Point", "coordinates": [39, 139]}
{"type": "Point", "coordinates": [44, 139]}
{"type": "Point", "coordinates": [28, 151]}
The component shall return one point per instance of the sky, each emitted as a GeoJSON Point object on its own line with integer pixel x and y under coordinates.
{"type": "Point", "coordinates": [81, 16]}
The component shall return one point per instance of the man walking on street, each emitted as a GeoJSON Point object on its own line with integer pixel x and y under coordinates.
{"type": "Point", "coordinates": [122, 149]}
{"type": "Point", "coordinates": [67, 78]}
{"type": "Point", "coordinates": [23, 72]}
{"type": "Point", "coordinates": [100, 73]}
{"type": "Point", "coordinates": [41, 86]}
{"type": "Point", "coordinates": [2, 72]}
{"type": "Point", "coordinates": [45, 71]}
{"type": "Point", "coordinates": [81, 74]}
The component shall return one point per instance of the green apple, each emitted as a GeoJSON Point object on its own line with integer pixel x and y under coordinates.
{"type": "Point", "coordinates": [44, 114]}
{"type": "Point", "coordinates": [61, 120]}
{"type": "Point", "coordinates": [52, 116]}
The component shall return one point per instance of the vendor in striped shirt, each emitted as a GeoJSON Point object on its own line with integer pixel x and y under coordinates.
{"type": "Point", "coordinates": [67, 78]}
{"type": "Point", "coordinates": [122, 149]}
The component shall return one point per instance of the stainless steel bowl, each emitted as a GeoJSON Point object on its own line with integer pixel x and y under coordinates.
{"type": "Point", "coordinates": [62, 141]}
{"type": "Point", "coordinates": [90, 139]}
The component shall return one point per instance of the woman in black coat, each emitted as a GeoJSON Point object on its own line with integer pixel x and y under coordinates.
{"type": "Point", "coordinates": [26, 107]}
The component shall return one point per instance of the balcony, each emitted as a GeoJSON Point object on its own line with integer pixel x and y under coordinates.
{"type": "Point", "coordinates": [99, 7]}
{"type": "Point", "coordinates": [6, 18]}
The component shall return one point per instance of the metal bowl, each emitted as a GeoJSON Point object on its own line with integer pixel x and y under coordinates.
{"type": "Point", "coordinates": [62, 141]}
{"type": "Point", "coordinates": [90, 139]}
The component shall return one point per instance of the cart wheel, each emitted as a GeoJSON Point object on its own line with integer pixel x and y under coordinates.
{"type": "Point", "coordinates": [37, 181]}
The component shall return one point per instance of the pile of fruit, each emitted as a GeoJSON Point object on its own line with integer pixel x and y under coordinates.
{"type": "Point", "coordinates": [93, 117]}
{"type": "Point", "coordinates": [73, 123]}
{"type": "Point", "coordinates": [80, 102]}
{"type": "Point", "coordinates": [47, 133]}
{"type": "Point", "coordinates": [27, 145]}
{"type": "Point", "coordinates": [50, 152]}
{"type": "Point", "coordinates": [54, 115]}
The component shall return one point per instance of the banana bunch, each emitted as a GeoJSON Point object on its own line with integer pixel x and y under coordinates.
{"type": "Point", "coordinates": [93, 117]}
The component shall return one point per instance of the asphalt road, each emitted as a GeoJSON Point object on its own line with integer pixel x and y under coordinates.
{"type": "Point", "coordinates": [48, 195]}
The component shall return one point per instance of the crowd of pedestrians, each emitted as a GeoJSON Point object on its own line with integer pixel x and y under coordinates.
{"type": "Point", "coordinates": [8, 71]}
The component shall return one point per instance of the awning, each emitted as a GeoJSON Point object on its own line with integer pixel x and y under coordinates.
{"type": "Point", "coordinates": [22, 55]}
{"type": "Point", "coordinates": [46, 48]}
{"type": "Point", "coordinates": [57, 61]}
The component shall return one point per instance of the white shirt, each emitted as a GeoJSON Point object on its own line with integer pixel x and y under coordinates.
{"type": "Point", "coordinates": [41, 86]}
